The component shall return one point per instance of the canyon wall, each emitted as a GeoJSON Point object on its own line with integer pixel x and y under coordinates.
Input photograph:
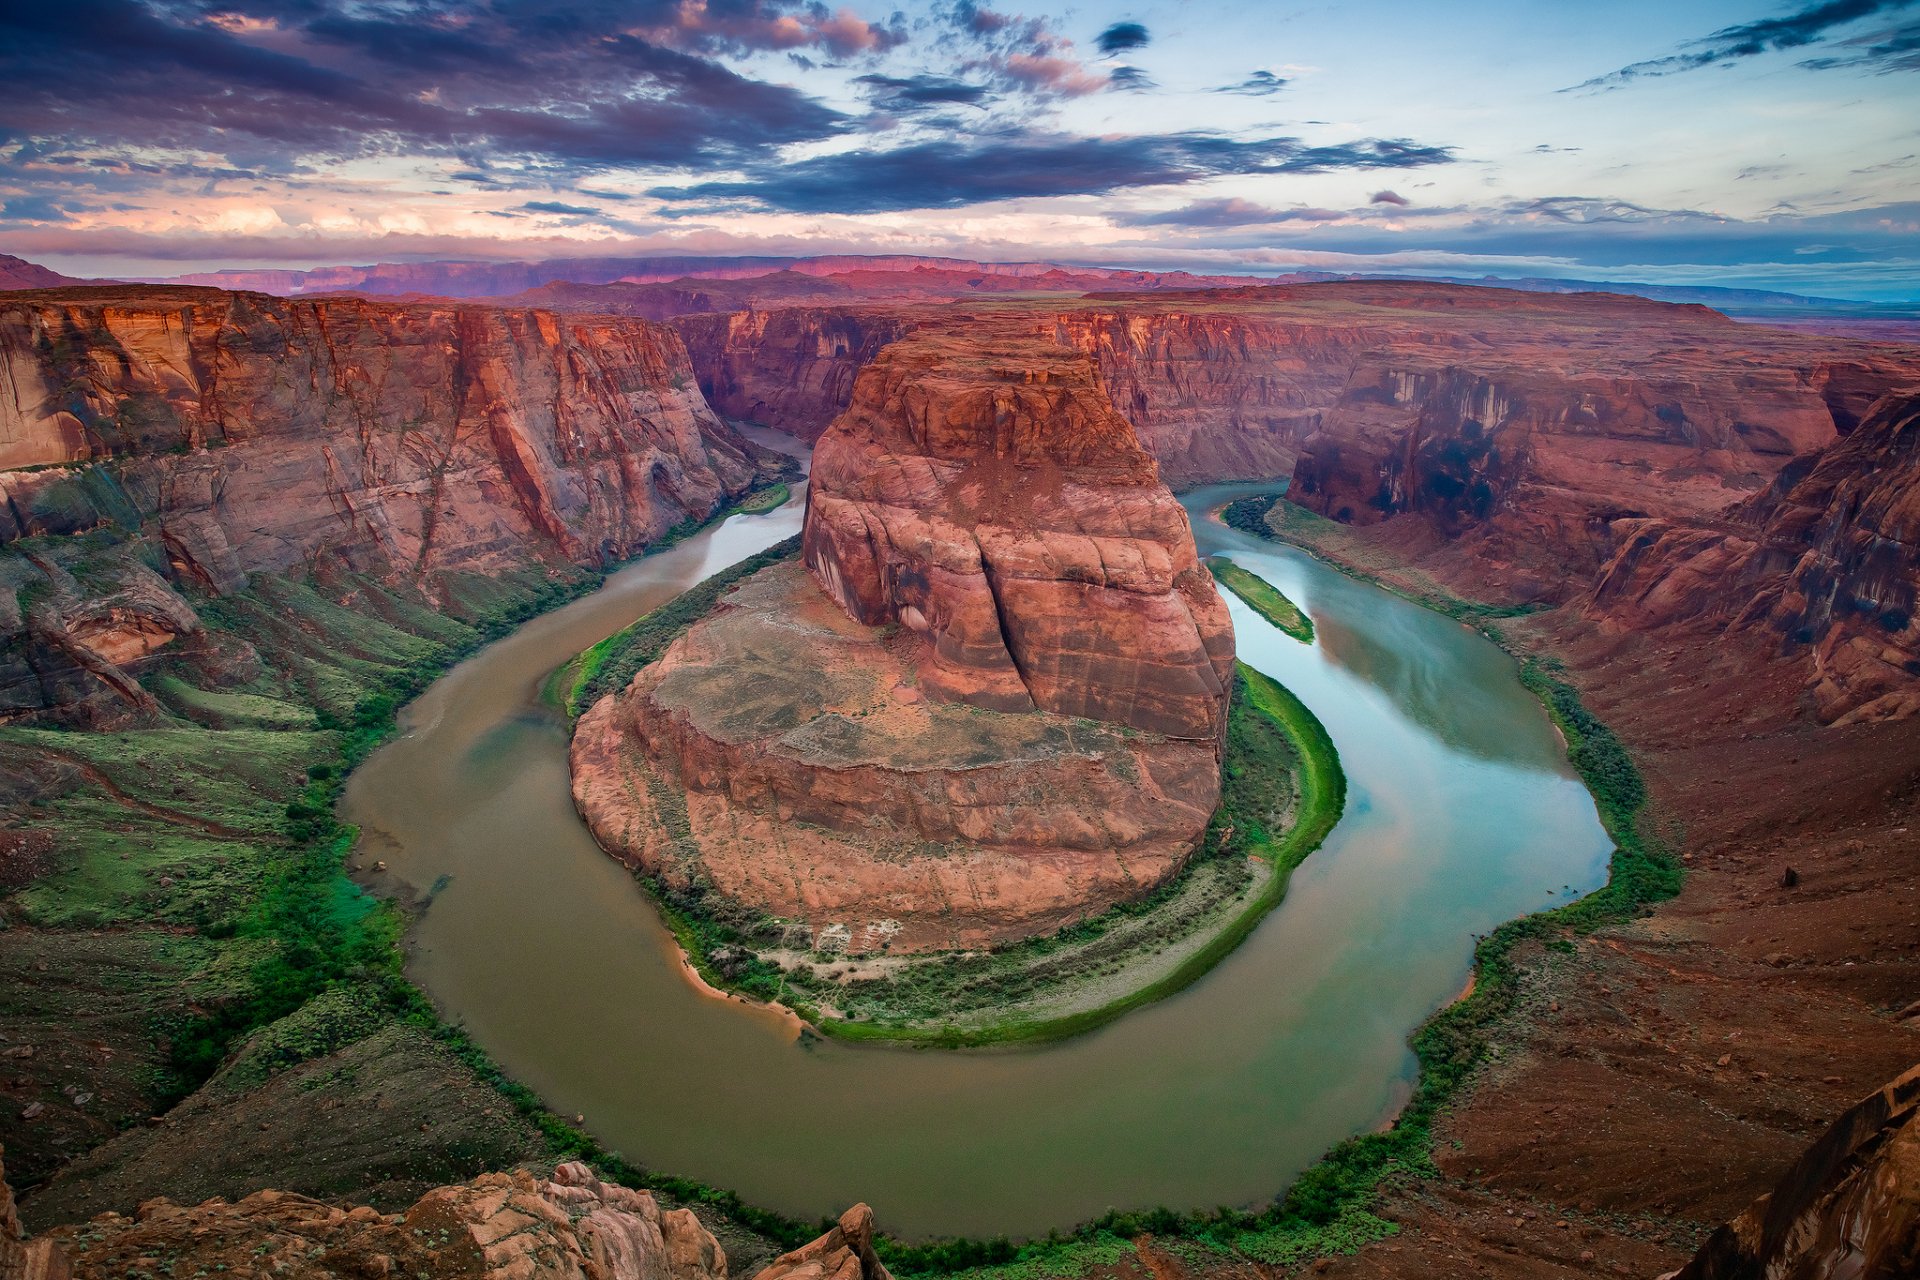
{"type": "Point", "coordinates": [792, 368]}
{"type": "Point", "coordinates": [196, 437]}
{"type": "Point", "coordinates": [1823, 567]}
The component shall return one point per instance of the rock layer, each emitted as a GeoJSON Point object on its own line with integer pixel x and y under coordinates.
{"type": "Point", "coordinates": [982, 492]}
{"type": "Point", "coordinates": [241, 434]}
{"type": "Point", "coordinates": [1822, 567]}
{"type": "Point", "coordinates": [1848, 1207]}
{"type": "Point", "coordinates": [991, 704]}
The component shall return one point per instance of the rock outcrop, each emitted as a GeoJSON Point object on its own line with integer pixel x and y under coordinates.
{"type": "Point", "coordinates": [1822, 568]}
{"type": "Point", "coordinates": [983, 493]}
{"type": "Point", "coordinates": [843, 1253]}
{"type": "Point", "coordinates": [500, 1226]}
{"type": "Point", "coordinates": [1849, 1207]}
{"type": "Point", "coordinates": [989, 706]}
{"type": "Point", "coordinates": [41, 1258]}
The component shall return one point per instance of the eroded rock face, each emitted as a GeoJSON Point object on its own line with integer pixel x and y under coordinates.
{"type": "Point", "coordinates": [788, 758]}
{"type": "Point", "coordinates": [982, 493]}
{"type": "Point", "coordinates": [1849, 1207]}
{"type": "Point", "coordinates": [401, 438]}
{"type": "Point", "coordinates": [500, 1226]}
{"type": "Point", "coordinates": [791, 368]}
{"type": "Point", "coordinates": [1822, 567]}
{"type": "Point", "coordinates": [989, 705]}
{"type": "Point", "coordinates": [844, 1253]}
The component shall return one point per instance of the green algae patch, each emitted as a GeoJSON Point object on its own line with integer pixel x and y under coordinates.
{"type": "Point", "coordinates": [1263, 598]}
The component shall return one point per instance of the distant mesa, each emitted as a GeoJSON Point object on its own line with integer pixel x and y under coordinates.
{"type": "Point", "coordinates": [990, 704]}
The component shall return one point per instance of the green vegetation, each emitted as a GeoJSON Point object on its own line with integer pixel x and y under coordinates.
{"type": "Point", "coordinates": [1263, 598]}
{"type": "Point", "coordinates": [612, 664]}
{"type": "Point", "coordinates": [764, 500]}
{"type": "Point", "coordinates": [1271, 516]}
{"type": "Point", "coordinates": [1282, 791]}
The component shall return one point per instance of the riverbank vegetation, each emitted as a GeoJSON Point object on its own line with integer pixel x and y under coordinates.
{"type": "Point", "coordinates": [1282, 792]}
{"type": "Point", "coordinates": [1263, 598]}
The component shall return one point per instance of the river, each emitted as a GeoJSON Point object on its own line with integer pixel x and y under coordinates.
{"type": "Point", "coordinates": [1462, 813]}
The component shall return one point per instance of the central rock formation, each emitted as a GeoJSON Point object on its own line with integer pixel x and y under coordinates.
{"type": "Point", "coordinates": [991, 705]}
{"type": "Point", "coordinates": [983, 493]}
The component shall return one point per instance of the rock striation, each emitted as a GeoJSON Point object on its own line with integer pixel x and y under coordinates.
{"type": "Point", "coordinates": [983, 493]}
{"type": "Point", "coordinates": [989, 705]}
{"type": "Point", "coordinates": [1823, 568]}
{"type": "Point", "coordinates": [230, 435]}
{"type": "Point", "coordinates": [1850, 1206]}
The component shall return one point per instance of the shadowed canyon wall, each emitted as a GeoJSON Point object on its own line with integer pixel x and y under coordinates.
{"type": "Point", "coordinates": [240, 433]}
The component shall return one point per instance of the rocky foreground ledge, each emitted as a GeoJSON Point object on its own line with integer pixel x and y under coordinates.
{"type": "Point", "coordinates": [991, 704]}
{"type": "Point", "coordinates": [500, 1226]}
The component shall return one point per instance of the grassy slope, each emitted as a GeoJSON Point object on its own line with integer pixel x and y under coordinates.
{"type": "Point", "coordinates": [1263, 598]}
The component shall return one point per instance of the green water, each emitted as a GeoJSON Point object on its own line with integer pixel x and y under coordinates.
{"type": "Point", "coordinates": [1462, 813]}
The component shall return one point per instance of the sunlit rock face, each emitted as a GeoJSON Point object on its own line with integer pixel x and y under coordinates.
{"type": "Point", "coordinates": [982, 492]}
{"type": "Point", "coordinates": [988, 705]}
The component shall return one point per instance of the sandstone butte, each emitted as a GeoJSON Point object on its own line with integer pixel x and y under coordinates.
{"type": "Point", "coordinates": [990, 704]}
{"type": "Point", "coordinates": [246, 434]}
{"type": "Point", "coordinates": [1500, 431]}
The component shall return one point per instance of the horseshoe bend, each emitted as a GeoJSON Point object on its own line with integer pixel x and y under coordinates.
{"type": "Point", "coordinates": [989, 700]}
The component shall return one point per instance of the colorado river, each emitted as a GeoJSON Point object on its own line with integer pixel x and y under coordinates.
{"type": "Point", "coordinates": [1462, 813]}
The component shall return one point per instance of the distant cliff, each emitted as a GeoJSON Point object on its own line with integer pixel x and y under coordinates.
{"type": "Point", "coordinates": [232, 434]}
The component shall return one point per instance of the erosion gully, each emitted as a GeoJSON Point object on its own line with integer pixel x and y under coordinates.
{"type": "Point", "coordinates": [1462, 813]}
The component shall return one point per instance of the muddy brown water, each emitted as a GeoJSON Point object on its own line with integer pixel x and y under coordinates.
{"type": "Point", "coordinates": [1462, 813]}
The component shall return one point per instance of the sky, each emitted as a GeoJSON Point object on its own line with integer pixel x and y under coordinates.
{"type": "Point", "coordinates": [1741, 143]}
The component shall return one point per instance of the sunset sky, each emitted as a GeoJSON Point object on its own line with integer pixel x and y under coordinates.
{"type": "Point", "coordinates": [1721, 143]}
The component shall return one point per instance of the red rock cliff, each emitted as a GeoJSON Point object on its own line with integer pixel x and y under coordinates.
{"type": "Point", "coordinates": [1823, 568]}
{"type": "Point", "coordinates": [403, 438]}
{"type": "Point", "coordinates": [982, 492]}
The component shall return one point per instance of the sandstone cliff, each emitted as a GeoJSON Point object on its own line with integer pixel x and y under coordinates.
{"type": "Point", "coordinates": [791, 368]}
{"type": "Point", "coordinates": [993, 709]}
{"type": "Point", "coordinates": [1823, 568]}
{"type": "Point", "coordinates": [500, 1226]}
{"type": "Point", "coordinates": [234, 434]}
{"type": "Point", "coordinates": [982, 492]}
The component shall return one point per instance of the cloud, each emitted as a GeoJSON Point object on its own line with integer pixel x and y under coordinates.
{"type": "Point", "coordinates": [1389, 197]}
{"type": "Point", "coordinates": [1747, 39]}
{"type": "Point", "coordinates": [1586, 210]}
{"type": "Point", "coordinates": [554, 206]}
{"type": "Point", "coordinates": [1229, 212]}
{"type": "Point", "coordinates": [1130, 80]}
{"type": "Point", "coordinates": [1260, 84]}
{"type": "Point", "coordinates": [1884, 52]}
{"type": "Point", "coordinates": [946, 175]}
{"type": "Point", "coordinates": [562, 84]}
{"type": "Point", "coordinates": [904, 95]}
{"type": "Point", "coordinates": [1122, 37]}
{"type": "Point", "coordinates": [32, 209]}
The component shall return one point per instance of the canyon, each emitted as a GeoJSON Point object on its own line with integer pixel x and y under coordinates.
{"type": "Point", "coordinates": [992, 705]}
{"type": "Point", "coordinates": [1709, 525]}
{"type": "Point", "coordinates": [424, 447]}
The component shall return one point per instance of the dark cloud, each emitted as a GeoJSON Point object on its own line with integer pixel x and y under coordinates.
{"type": "Point", "coordinates": [1232, 212]}
{"type": "Point", "coordinates": [560, 85]}
{"type": "Point", "coordinates": [945, 175]}
{"type": "Point", "coordinates": [1587, 210]}
{"type": "Point", "coordinates": [1389, 197]}
{"type": "Point", "coordinates": [554, 206]}
{"type": "Point", "coordinates": [1130, 80]}
{"type": "Point", "coordinates": [31, 209]}
{"type": "Point", "coordinates": [1122, 37]}
{"type": "Point", "coordinates": [1794, 31]}
{"type": "Point", "coordinates": [1260, 84]}
{"type": "Point", "coordinates": [1890, 50]}
{"type": "Point", "coordinates": [904, 95]}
